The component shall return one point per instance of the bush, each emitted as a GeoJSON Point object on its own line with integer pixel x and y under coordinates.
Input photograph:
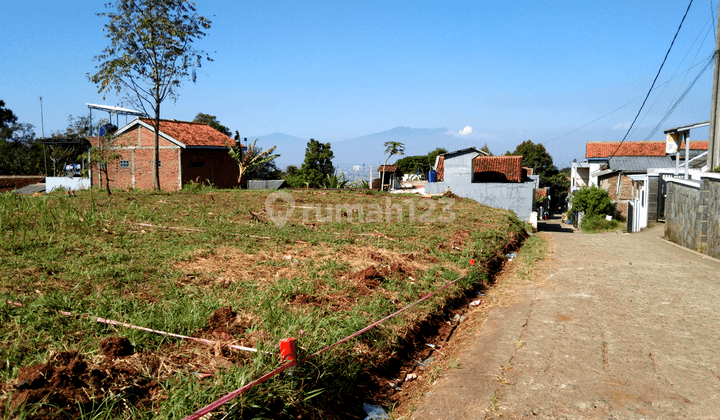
{"type": "Point", "coordinates": [593, 201]}
{"type": "Point", "coordinates": [597, 223]}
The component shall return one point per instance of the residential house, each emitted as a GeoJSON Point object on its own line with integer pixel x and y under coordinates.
{"type": "Point", "coordinates": [614, 165]}
{"type": "Point", "coordinates": [497, 181]}
{"type": "Point", "coordinates": [189, 152]}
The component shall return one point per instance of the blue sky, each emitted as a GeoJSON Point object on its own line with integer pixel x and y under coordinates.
{"type": "Point", "coordinates": [335, 70]}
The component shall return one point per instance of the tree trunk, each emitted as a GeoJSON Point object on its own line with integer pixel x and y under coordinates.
{"type": "Point", "coordinates": [156, 149]}
{"type": "Point", "coordinates": [382, 179]}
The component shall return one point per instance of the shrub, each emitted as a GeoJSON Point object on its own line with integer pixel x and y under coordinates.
{"type": "Point", "coordinates": [593, 201]}
{"type": "Point", "coordinates": [597, 223]}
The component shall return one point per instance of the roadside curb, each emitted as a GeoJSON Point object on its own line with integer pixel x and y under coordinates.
{"type": "Point", "coordinates": [699, 254]}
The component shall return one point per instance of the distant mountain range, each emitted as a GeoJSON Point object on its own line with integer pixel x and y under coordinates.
{"type": "Point", "coordinates": [368, 150]}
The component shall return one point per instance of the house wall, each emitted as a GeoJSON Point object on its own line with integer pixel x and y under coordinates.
{"type": "Point", "coordinates": [579, 176]}
{"type": "Point", "coordinates": [209, 166]}
{"type": "Point", "coordinates": [136, 147]}
{"type": "Point", "coordinates": [692, 214]}
{"type": "Point", "coordinates": [609, 183]}
{"type": "Point", "coordinates": [514, 196]}
{"type": "Point", "coordinates": [458, 169]}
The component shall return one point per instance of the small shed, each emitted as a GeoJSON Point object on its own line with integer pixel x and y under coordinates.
{"type": "Point", "coordinates": [392, 177]}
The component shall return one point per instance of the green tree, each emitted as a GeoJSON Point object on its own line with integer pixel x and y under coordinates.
{"type": "Point", "coordinates": [102, 155]}
{"type": "Point", "coordinates": [213, 122]}
{"type": "Point", "coordinates": [592, 200]}
{"type": "Point", "coordinates": [253, 158]}
{"type": "Point", "coordinates": [7, 121]}
{"type": "Point", "coordinates": [150, 53]}
{"type": "Point", "coordinates": [316, 167]}
{"type": "Point", "coordinates": [411, 164]}
{"type": "Point", "coordinates": [291, 170]}
{"type": "Point", "coordinates": [535, 156]}
{"type": "Point", "coordinates": [20, 152]}
{"type": "Point", "coordinates": [392, 148]}
{"type": "Point", "coordinates": [486, 149]}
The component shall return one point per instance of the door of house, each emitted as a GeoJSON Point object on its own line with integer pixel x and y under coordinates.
{"type": "Point", "coordinates": [630, 216]}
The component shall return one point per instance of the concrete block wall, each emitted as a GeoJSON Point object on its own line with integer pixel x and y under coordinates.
{"type": "Point", "coordinates": [692, 214]}
{"type": "Point", "coordinates": [514, 196]}
{"type": "Point", "coordinates": [712, 188]}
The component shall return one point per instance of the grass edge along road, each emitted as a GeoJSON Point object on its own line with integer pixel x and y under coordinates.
{"type": "Point", "coordinates": [211, 264]}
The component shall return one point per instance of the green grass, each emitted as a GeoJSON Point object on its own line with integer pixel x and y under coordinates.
{"type": "Point", "coordinates": [598, 224]}
{"type": "Point", "coordinates": [95, 254]}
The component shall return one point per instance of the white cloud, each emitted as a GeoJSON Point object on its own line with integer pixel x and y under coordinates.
{"type": "Point", "coordinates": [622, 126]}
{"type": "Point", "coordinates": [465, 131]}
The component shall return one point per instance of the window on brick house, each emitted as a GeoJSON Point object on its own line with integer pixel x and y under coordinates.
{"type": "Point", "coordinates": [124, 163]}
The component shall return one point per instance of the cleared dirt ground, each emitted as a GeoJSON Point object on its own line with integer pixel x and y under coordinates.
{"type": "Point", "coordinates": [621, 327]}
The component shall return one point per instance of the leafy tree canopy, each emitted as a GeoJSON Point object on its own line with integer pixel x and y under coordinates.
{"type": "Point", "coordinates": [486, 149]}
{"type": "Point", "coordinates": [535, 156]}
{"type": "Point", "coordinates": [412, 164]}
{"type": "Point", "coordinates": [316, 167]}
{"type": "Point", "coordinates": [7, 121]}
{"type": "Point", "coordinates": [213, 122]}
{"type": "Point", "coordinates": [593, 201]}
{"type": "Point", "coordinates": [150, 53]}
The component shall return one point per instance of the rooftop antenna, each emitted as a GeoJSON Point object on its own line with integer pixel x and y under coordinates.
{"type": "Point", "coordinates": [42, 121]}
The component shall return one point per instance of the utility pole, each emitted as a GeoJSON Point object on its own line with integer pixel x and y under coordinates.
{"type": "Point", "coordinates": [713, 156]}
{"type": "Point", "coordinates": [42, 125]}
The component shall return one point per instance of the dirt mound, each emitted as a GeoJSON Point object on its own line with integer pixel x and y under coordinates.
{"type": "Point", "coordinates": [115, 347]}
{"type": "Point", "coordinates": [68, 382]}
{"type": "Point", "coordinates": [227, 325]}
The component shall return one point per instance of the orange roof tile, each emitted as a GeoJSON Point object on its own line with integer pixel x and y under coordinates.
{"type": "Point", "coordinates": [605, 149]}
{"type": "Point", "coordinates": [388, 168]}
{"type": "Point", "coordinates": [509, 166]}
{"type": "Point", "coordinates": [696, 145]}
{"type": "Point", "coordinates": [192, 133]}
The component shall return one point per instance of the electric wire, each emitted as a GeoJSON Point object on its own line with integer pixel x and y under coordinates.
{"type": "Point", "coordinates": [705, 30]}
{"type": "Point", "coordinates": [654, 81]}
{"type": "Point", "coordinates": [708, 63]}
{"type": "Point", "coordinates": [620, 107]}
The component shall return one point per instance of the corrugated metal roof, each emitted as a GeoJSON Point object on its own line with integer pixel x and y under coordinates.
{"type": "Point", "coordinates": [639, 163]}
{"type": "Point", "coordinates": [30, 189]}
{"type": "Point", "coordinates": [270, 184]}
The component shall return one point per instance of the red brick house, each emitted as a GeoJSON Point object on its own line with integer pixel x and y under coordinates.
{"type": "Point", "coordinates": [189, 152]}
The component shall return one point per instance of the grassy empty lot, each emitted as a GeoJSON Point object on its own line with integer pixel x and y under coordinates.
{"type": "Point", "coordinates": [212, 264]}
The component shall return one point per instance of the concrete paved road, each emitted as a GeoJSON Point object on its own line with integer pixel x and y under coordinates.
{"type": "Point", "coordinates": [628, 328]}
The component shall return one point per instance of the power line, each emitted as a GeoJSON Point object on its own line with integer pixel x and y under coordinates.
{"type": "Point", "coordinates": [709, 62]}
{"type": "Point", "coordinates": [622, 106]}
{"type": "Point", "coordinates": [655, 80]}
